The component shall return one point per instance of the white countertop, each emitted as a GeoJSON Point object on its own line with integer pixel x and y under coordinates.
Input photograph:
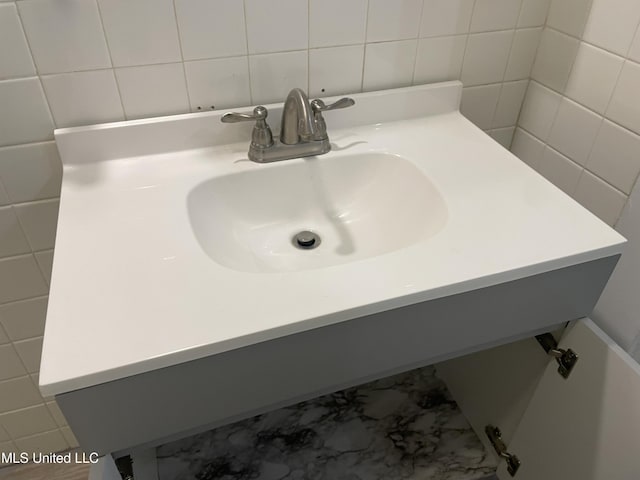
{"type": "Point", "coordinates": [132, 290]}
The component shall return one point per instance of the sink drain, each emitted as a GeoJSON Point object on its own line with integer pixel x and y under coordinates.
{"type": "Point", "coordinates": [306, 240]}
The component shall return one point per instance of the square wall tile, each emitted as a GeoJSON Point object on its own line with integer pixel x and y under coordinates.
{"type": "Point", "coordinates": [486, 58]}
{"type": "Point", "coordinates": [65, 36]}
{"type": "Point", "coordinates": [20, 278]}
{"type": "Point", "coordinates": [24, 319]}
{"type": "Point", "coordinates": [336, 22]}
{"type": "Point", "coordinates": [30, 120]}
{"type": "Point", "coordinates": [39, 221]}
{"type": "Point", "coordinates": [445, 17]}
{"type": "Point", "coordinates": [533, 13]}
{"type": "Point", "coordinates": [8, 447]}
{"type": "Point", "coordinates": [211, 28]}
{"type": "Point", "coordinates": [277, 25]}
{"type": "Point", "coordinates": [31, 172]}
{"type": "Point", "coordinates": [504, 136]}
{"type": "Point", "coordinates": [479, 104]}
{"type": "Point", "coordinates": [83, 98]}
{"type": "Point", "coordinates": [4, 338]}
{"type": "Point", "coordinates": [600, 198]}
{"type": "Point", "coordinates": [569, 16]}
{"type": "Point", "coordinates": [12, 239]}
{"type": "Point", "coordinates": [4, 436]}
{"type": "Point", "coordinates": [28, 421]}
{"type": "Point", "coordinates": [574, 131]}
{"type": "Point", "coordinates": [612, 24]}
{"type": "Point", "coordinates": [397, 20]}
{"type": "Point", "coordinates": [439, 59]}
{"type": "Point", "coordinates": [325, 62]}
{"type": "Point", "coordinates": [69, 437]}
{"type": "Point", "coordinates": [510, 103]}
{"type": "Point", "coordinates": [539, 110]}
{"type": "Point", "coordinates": [18, 393]}
{"type": "Point", "coordinates": [15, 58]}
{"type": "Point", "coordinates": [4, 197]}
{"type": "Point", "coordinates": [489, 15]}
{"type": "Point", "coordinates": [219, 83]}
{"type": "Point", "coordinates": [30, 352]}
{"type": "Point", "coordinates": [153, 90]}
{"type": "Point", "coordinates": [10, 364]}
{"type": "Point", "coordinates": [559, 170]}
{"type": "Point", "coordinates": [523, 53]}
{"type": "Point", "coordinates": [527, 148]}
{"type": "Point", "coordinates": [45, 262]}
{"type": "Point", "coordinates": [616, 156]}
{"type": "Point", "coordinates": [57, 414]}
{"type": "Point", "coordinates": [274, 75]}
{"type": "Point", "coordinates": [52, 441]}
{"type": "Point", "coordinates": [141, 32]}
{"type": "Point", "coordinates": [634, 51]}
{"type": "Point", "coordinates": [594, 77]}
{"type": "Point", "coordinates": [556, 54]}
{"type": "Point", "coordinates": [389, 65]}
{"type": "Point", "coordinates": [625, 103]}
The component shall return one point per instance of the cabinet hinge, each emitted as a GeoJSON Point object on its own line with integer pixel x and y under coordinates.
{"type": "Point", "coordinates": [495, 437]}
{"type": "Point", "coordinates": [566, 358]}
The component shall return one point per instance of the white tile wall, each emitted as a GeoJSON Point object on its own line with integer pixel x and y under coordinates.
{"type": "Point", "coordinates": [211, 28]}
{"type": "Point", "coordinates": [141, 32]}
{"type": "Point", "coordinates": [583, 107]}
{"type": "Point", "coordinates": [81, 98]}
{"type": "Point", "coordinates": [64, 36]}
{"type": "Point", "coordinates": [73, 62]}
{"type": "Point", "coordinates": [15, 61]}
{"type": "Point", "coordinates": [153, 90]}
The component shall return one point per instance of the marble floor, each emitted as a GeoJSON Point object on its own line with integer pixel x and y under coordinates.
{"type": "Point", "coordinates": [401, 427]}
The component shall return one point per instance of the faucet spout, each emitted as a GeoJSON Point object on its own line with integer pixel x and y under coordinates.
{"type": "Point", "coordinates": [297, 119]}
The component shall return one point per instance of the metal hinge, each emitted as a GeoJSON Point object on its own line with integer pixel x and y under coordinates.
{"type": "Point", "coordinates": [566, 358]}
{"type": "Point", "coordinates": [495, 437]}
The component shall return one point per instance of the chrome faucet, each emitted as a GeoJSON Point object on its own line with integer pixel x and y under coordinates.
{"type": "Point", "coordinates": [303, 131]}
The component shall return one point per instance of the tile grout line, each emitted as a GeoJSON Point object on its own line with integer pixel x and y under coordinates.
{"type": "Point", "coordinates": [182, 62]}
{"type": "Point", "coordinates": [113, 68]}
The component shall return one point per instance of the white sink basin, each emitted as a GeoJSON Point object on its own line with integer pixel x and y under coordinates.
{"type": "Point", "coordinates": [360, 205]}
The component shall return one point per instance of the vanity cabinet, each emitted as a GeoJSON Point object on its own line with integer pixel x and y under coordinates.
{"type": "Point", "coordinates": [583, 427]}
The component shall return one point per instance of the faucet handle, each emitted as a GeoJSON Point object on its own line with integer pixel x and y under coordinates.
{"type": "Point", "coordinates": [319, 106]}
{"type": "Point", "coordinates": [261, 136]}
{"type": "Point", "coordinates": [259, 113]}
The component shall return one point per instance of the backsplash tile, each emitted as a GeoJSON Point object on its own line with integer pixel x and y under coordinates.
{"type": "Point", "coordinates": [211, 28]}
{"type": "Point", "coordinates": [439, 58]}
{"type": "Point", "coordinates": [16, 60]}
{"type": "Point", "coordinates": [133, 38]}
{"type": "Point", "coordinates": [324, 62]}
{"type": "Point", "coordinates": [336, 22]}
{"type": "Point", "coordinates": [218, 83]}
{"type": "Point", "coordinates": [64, 36]}
{"type": "Point", "coordinates": [446, 17]}
{"type": "Point", "coordinates": [397, 20]}
{"type": "Point", "coordinates": [389, 64]}
{"type": "Point", "coordinates": [30, 120]}
{"type": "Point", "coordinates": [491, 15]}
{"type": "Point", "coordinates": [31, 172]}
{"type": "Point", "coordinates": [277, 25]}
{"type": "Point", "coordinates": [153, 90]}
{"type": "Point", "coordinates": [273, 75]}
{"type": "Point", "coordinates": [486, 57]}
{"type": "Point", "coordinates": [83, 97]}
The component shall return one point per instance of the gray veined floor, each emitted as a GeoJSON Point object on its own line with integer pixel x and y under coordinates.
{"type": "Point", "coordinates": [401, 427]}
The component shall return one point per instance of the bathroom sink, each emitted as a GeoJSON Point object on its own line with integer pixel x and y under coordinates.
{"type": "Point", "coordinates": [360, 206]}
{"type": "Point", "coordinates": [182, 266]}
